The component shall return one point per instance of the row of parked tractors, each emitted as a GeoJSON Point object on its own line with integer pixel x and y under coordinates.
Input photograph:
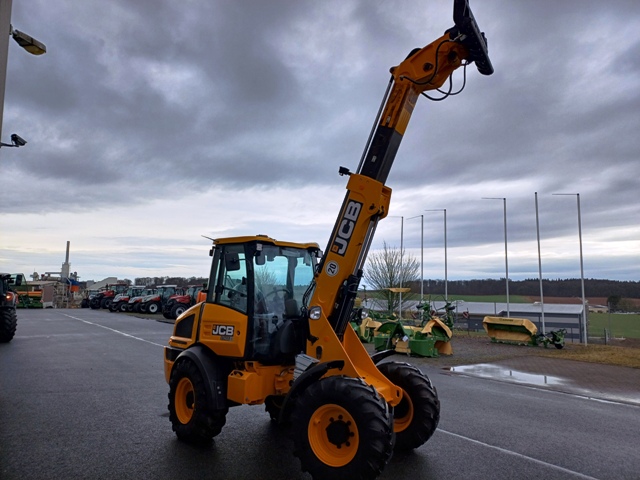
{"type": "Point", "coordinates": [170, 300]}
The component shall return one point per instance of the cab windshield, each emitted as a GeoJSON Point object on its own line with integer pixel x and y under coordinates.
{"type": "Point", "coordinates": [281, 275]}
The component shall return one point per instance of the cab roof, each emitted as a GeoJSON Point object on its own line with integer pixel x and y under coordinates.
{"type": "Point", "coordinates": [264, 239]}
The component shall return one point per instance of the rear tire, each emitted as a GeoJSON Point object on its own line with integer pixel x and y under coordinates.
{"type": "Point", "coordinates": [342, 428]}
{"type": "Point", "coordinates": [190, 412]}
{"type": "Point", "coordinates": [417, 415]}
{"type": "Point", "coordinates": [8, 324]}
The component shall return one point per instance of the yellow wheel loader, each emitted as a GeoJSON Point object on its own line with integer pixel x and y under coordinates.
{"type": "Point", "coordinates": [274, 328]}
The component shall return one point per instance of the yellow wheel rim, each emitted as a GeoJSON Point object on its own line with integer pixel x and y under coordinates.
{"type": "Point", "coordinates": [333, 435]}
{"type": "Point", "coordinates": [184, 400]}
{"type": "Point", "coordinates": [403, 413]}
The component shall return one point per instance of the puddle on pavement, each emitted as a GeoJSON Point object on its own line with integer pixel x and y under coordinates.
{"type": "Point", "coordinates": [496, 372]}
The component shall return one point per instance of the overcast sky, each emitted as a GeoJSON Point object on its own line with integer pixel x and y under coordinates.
{"type": "Point", "coordinates": [153, 122]}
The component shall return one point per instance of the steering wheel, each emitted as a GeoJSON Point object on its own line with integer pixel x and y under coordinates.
{"type": "Point", "coordinates": [275, 291]}
{"type": "Point", "coordinates": [235, 290]}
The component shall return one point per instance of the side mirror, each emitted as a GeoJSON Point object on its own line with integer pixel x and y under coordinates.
{"type": "Point", "coordinates": [232, 262]}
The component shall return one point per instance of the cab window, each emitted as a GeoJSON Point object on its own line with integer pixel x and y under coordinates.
{"type": "Point", "coordinates": [231, 286]}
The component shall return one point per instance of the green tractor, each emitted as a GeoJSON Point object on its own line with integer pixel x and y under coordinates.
{"type": "Point", "coordinates": [8, 301]}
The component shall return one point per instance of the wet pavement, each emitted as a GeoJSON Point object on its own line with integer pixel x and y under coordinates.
{"type": "Point", "coordinates": [603, 382]}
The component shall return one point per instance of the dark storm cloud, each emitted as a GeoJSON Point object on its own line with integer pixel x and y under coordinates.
{"type": "Point", "coordinates": [135, 101]}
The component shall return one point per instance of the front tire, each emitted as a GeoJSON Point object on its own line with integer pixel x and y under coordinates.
{"type": "Point", "coordinates": [153, 308]}
{"type": "Point", "coordinates": [342, 428]}
{"type": "Point", "coordinates": [8, 324]}
{"type": "Point", "coordinates": [417, 415]}
{"type": "Point", "coordinates": [190, 412]}
{"type": "Point", "coordinates": [177, 310]}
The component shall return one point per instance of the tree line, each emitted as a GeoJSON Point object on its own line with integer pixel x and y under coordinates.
{"type": "Point", "coordinates": [531, 287]}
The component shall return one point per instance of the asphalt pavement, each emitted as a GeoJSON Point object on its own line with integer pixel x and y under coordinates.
{"type": "Point", "coordinates": [83, 396]}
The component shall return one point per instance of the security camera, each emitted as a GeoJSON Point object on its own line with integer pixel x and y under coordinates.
{"type": "Point", "coordinates": [17, 140]}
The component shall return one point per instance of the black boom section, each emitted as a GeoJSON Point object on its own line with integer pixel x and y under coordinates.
{"type": "Point", "coordinates": [381, 154]}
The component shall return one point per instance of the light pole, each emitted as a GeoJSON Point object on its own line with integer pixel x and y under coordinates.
{"type": "Point", "coordinates": [506, 260]}
{"type": "Point", "coordinates": [539, 266]}
{"type": "Point", "coordinates": [584, 302]}
{"type": "Point", "coordinates": [446, 293]}
{"type": "Point", "coordinates": [401, 217]}
{"type": "Point", "coordinates": [27, 42]}
{"type": "Point", "coordinates": [421, 255]}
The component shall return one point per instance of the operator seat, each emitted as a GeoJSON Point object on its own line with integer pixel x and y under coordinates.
{"type": "Point", "coordinates": [286, 338]}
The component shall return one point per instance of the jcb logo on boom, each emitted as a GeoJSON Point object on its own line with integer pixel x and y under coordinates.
{"type": "Point", "coordinates": [222, 330]}
{"type": "Point", "coordinates": [346, 227]}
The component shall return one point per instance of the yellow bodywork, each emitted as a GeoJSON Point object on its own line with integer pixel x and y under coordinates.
{"type": "Point", "coordinates": [255, 382]}
{"type": "Point", "coordinates": [443, 347]}
{"type": "Point", "coordinates": [505, 329]}
{"type": "Point", "coordinates": [368, 325]}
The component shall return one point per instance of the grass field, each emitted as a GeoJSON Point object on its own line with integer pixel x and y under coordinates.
{"type": "Point", "coordinates": [620, 324]}
{"type": "Point", "coordinates": [489, 298]}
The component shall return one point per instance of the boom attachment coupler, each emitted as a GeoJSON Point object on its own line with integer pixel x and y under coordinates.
{"type": "Point", "coordinates": [471, 36]}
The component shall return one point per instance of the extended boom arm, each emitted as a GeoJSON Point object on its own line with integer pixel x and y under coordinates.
{"type": "Point", "coordinates": [424, 69]}
{"type": "Point", "coordinates": [367, 199]}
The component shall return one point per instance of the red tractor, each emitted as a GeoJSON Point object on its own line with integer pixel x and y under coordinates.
{"type": "Point", "coordinates": [154, 303]}
{"type": "Point", "coordinates": [104, 297]}
{"type": "Point", "coordinates": [177, 304]}
{"type": "Point", "coordinates": [121, 301]}
{"type": "Point", "coordinates": [136, 302]}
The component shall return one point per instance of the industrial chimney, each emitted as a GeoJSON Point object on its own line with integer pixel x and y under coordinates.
{"type": "Point", "coordinates": [66, 265]}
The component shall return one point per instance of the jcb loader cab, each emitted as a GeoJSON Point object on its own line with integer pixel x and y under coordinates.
{"type": "Point", "coordinates": [255, 296]}
{"type": "Point", "coordinates": [275, 326]}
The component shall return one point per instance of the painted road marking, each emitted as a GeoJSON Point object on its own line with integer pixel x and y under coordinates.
{"type": "Point", "coordinates": [519, 455]}
{"type": "Point", "coordinates": [113, 330]}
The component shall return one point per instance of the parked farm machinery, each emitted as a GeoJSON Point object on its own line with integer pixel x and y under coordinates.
{"type": "Point", "coordinates": [521, 331]}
